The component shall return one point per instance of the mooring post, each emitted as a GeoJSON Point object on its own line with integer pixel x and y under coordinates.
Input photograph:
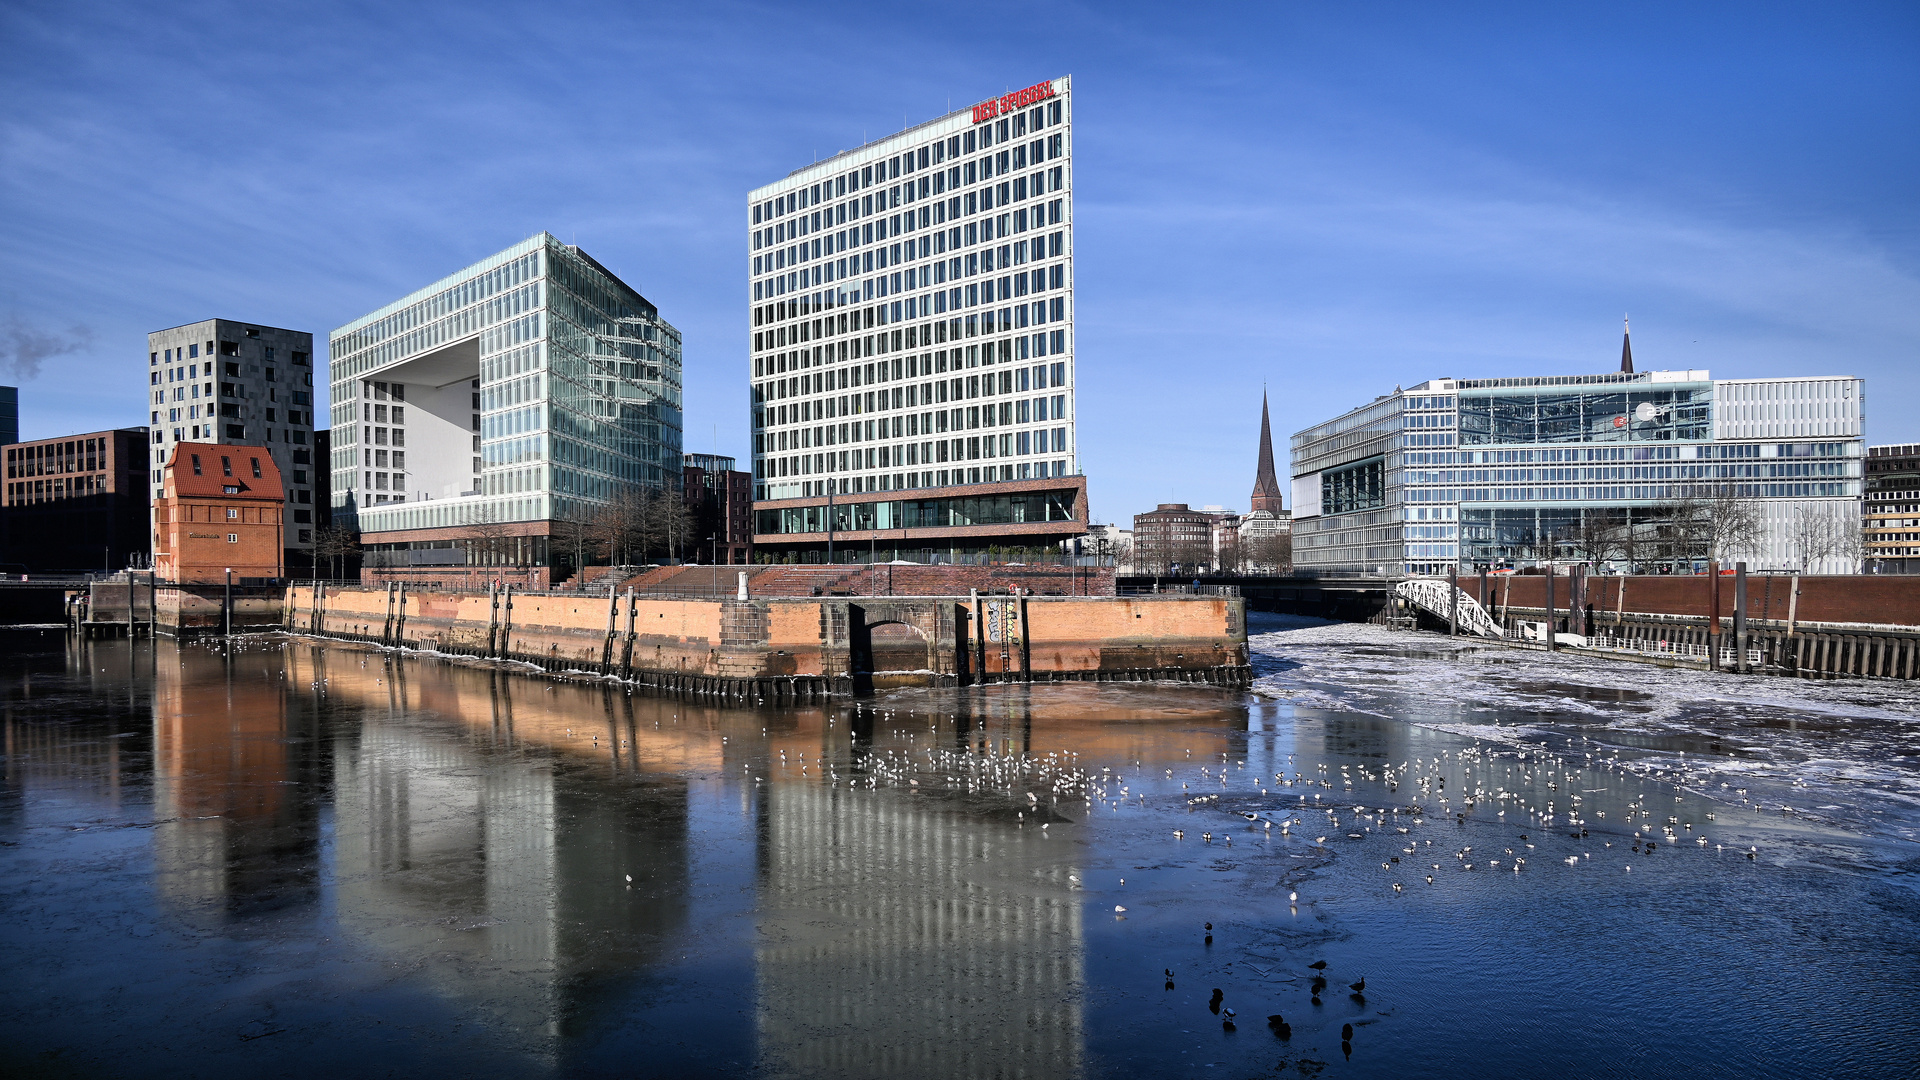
{"type": "Point", "coordinates": [1713, 615]}
{"type": "Point", "coordinates": [506, 619]}
{"type": "Point", "coordinates": [493, 616]}
{"type": "Point", "coordinates": [1453, 600]}
{"type": "Point", "coordinates": [979, 630]}
{"type": "Point", "coordinates": [626, 648]}
{"type": "Point", "coordinates": [1550, 616]}
{"type": "Point", "coordinates": [1026, 642]}
{"type": "Point", "coordinates": [1740, 617]}
{"type": "Point", "coordinates": [606, 646]}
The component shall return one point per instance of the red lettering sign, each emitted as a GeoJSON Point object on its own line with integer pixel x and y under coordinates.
{"type": "Point", "coordinates": [1007, 103]}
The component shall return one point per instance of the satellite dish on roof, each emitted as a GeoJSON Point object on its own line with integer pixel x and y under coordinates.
{"type": "Point", "coordinates": [1644, 412]}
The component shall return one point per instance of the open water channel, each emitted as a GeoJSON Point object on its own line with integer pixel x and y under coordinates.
{"type": "Point", "coordinates": [296, 859]}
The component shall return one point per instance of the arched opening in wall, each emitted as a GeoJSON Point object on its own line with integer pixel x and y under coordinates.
{"type": "Point", "coordinates": [897, 648]}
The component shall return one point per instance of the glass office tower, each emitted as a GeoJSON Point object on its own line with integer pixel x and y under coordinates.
{"type": "Point", "coordinates": [523, 391]}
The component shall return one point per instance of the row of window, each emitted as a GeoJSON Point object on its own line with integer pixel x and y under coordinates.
{"type": "Point", "coordinates": [908, 162]}
{"type": "Point", "coordinates": [930, 478]}
{"type": "Point", "coordinates": [1006, 193]}
{"type": "Point", "coordinates": [914, 425]}
{"type": "Point", "coordinates": [939, 242]}
{"type": "Point", "coordinates": [988, 323]}
{"type": "Point", "coordinates": [1013, 189]}
{"type": "Point", "coordinates": [940, 271]}
{"type": "Point", "coordinates": [970, 448]}
{"type": "Point", "coordinates": [1039, 376]}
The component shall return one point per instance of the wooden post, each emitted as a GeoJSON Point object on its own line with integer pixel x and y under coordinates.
{"type": "Point", "coordinates": [626, 649]}
{"type": "Point", "coordinates": [1550, 641]}
{"type": "Point", "coordinates": [1620, 603]}
{"type": "Point", "coordinates": [1740, 617]}
{"type": "Point", "coordinates": [979, 629]}
{"type": "Point", "coordinates": [606, 647]}
{"type": "Point", "coordinates": [1453, 601]}
{"type": "Point", "coordinates": [1713, 615]}
{"type": "Point", "coordinates": [1026, 642]}
{"type": "Point", "coordinates": [506, 620]}
{"type": "Point", "coordinates": [493, 617]}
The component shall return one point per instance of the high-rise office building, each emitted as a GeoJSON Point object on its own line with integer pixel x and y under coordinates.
{"type": "Point", "coordinates": [474, 417]}
{"type": "Point", "coordinates": [912, 353]}
{"type": "Point", "coordinates": [235, 383]}
{"type": "Point", "coordinates": [9, 415]}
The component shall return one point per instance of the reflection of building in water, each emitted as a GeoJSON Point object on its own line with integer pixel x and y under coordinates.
{"type": "Point", "coordinates": [235, 783]}
{"type": "Point", "coordinates": [904, 938]}
{"type": "Point", "coordinates": [457, 841]}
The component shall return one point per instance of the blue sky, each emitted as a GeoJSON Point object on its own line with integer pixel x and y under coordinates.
{"type": "Point", "coordinates": [1324, 199]}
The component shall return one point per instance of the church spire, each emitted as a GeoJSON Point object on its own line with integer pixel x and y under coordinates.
{"type": "Point", "coordinates": [1266, 485]}
{"type": "Point", "coordinates": [1626, 346]}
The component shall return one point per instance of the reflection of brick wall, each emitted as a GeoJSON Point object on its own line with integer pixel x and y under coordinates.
{"type": "Point", "coordinates": [1868, 598]}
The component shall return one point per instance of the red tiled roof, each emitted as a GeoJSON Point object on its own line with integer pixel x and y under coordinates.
{"type": "Point", "coordinates": [213, 481]}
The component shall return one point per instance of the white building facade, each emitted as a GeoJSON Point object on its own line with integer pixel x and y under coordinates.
{"type": "Point", "coordinates": [1524, 471]}
{"type": "Point", "coordinates": [910, 309]}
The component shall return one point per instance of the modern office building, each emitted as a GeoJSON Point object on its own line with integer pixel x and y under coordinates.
{"type": "Point", "coordinates": [1618, 470]}
{"type": "Point", "coordinates": [721, 499]}
{"type": "Point", "coordinates": [9, 415]}
{"type": "Point", "coordinates": [910, 317]}
{"type": "Point", "coordinates": [1892, 508]}
{"type": "Point", "coordinates": [235, 383]}
{"type": "Point", "coordinates": [474, 415]}
{"type": "Point", "coordinates": [78, 502]}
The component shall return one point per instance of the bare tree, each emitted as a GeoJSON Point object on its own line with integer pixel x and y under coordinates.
{"type": "Point", "coordinates": [1598, 538]}
{"type": "Point", "coordinates": [335, 543]}
{"type": "Point", "coordinates": [576, 532]}
{"type": "Point", "coordinates": [1734, 524]}
{"type": "Point", "coordinates": [487, 536]}
{"type": "Point", "coordinates": [617, 525]}
{"type": "Point", "coordinates": [1272, 553]}
{"type": "Point", "coordinates": [1823, 533]}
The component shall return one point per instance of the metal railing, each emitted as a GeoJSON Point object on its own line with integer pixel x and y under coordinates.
{"type": "Point", "coordinates": [1679, 650]}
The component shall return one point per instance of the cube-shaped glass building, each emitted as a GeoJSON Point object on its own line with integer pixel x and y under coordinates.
{"type": "Point", "coordinates": [479, 415]}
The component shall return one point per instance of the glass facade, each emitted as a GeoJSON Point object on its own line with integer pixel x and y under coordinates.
{"type": "Point", "coordinates": [910, 308]}
{"type": "Point", "coordinates": [1014, 509]}
{"type": "Point", "coordinates": [532, 385]}
{"type": "Point", "coordinates": [1605, 469]}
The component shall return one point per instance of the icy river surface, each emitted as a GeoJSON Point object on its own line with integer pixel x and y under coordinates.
{"type": "Point", "coordinates": [1401, 855]}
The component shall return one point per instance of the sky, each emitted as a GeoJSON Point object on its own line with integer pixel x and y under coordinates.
{"type": "Point", "coordinates": [1319, 201]}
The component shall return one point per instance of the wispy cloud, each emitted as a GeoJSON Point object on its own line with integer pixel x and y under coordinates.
{"type": "Point", "coordinates": [24, 347]}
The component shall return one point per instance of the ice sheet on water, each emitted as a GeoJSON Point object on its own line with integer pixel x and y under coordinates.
{"type": "Point", "coordinates": [1789, 742]}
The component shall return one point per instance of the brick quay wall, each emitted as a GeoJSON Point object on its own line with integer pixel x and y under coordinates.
{"type": "Point", "coordinates": [799, 648]}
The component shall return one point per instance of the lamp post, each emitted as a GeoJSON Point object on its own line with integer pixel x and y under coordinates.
{"type": "Point", "coordinates": [227, 608]}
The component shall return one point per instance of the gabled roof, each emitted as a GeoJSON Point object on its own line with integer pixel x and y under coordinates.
{"type": "Point", "coordinates": [213, 481]}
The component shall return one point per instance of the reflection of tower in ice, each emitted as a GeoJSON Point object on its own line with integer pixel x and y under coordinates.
{"type": "Point", "coordinates": [443, 853]}
{"type": "Point", "coordinates": [233, 779]}
{"type": "Point", "coordinates": [904, 939]}
{"type": "Point", "coordinates": [456, 842]}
